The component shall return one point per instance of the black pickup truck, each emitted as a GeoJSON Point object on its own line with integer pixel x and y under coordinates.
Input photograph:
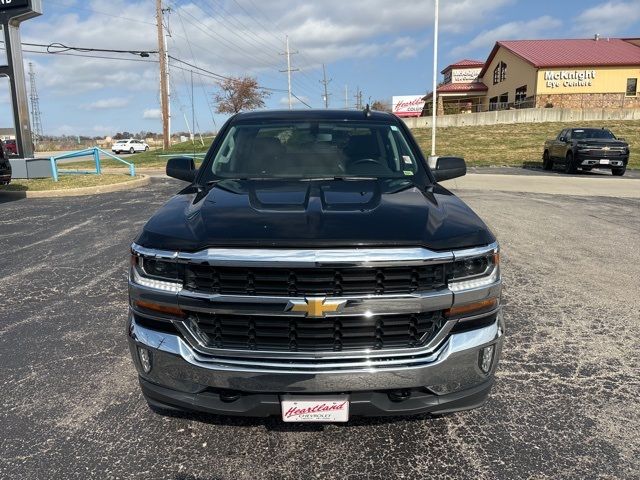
{"type": "Point", "coordinates": [5, 167]}
{"type": "Point", "coordinates": [586, 148]}
{"type": "Point", "coordinates": [314, 268]}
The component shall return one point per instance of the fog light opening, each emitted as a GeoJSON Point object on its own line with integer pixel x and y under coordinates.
{"type": "Point", "coordinates": [145, 359]}
{"type": "Point", "coordinates": [485, 358]}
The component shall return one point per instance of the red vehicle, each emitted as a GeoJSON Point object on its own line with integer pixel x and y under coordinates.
{"type": "Point", "coordinates": [11, 147]}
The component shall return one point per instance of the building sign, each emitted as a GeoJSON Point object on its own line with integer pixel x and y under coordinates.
{"type": "Point", "coordinates": [408, 105]}
{"type": "Point", "coordinates": [569, 78]}
{"type": "Point", "coordinates": [8, 4]}
{"type": "Point", "coordinates": [468, 75]}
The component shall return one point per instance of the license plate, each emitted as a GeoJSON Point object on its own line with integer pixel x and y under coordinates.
{"type": "Point", "coordinates": [322, 408]}
{"type": "Point", "coordinates": [604, 162]}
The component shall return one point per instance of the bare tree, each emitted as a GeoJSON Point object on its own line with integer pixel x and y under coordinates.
{"type": "Point", "coordinates": [381, 106]}
{"type": "Point", "coordinates": [238, 94]}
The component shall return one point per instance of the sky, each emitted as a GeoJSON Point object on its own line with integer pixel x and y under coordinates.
{"type": "Point", "coordinates": [383, 47]}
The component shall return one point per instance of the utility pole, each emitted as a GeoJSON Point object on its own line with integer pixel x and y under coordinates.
{"type": "Point", "coordinates": [434, 96]}
{"type": "Point", "coordinates": [36, 117]}
{"type": "Point", "coordinates": [164, 76]}
{"type": "Point", "coordinates": [326, 83]}
{"type": "Point", "coordinates": [346, 97]}
{"type": "Point", "coordinates": [288, 53]}
{"type": "Point", "coordinates": [358, 97]}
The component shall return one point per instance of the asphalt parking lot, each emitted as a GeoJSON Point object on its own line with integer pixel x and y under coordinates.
{"type": "Point", "coordinates": [565, 404]}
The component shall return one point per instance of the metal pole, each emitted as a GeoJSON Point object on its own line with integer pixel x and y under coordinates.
{"type": "Point", "coordinates": [24, 138]}
{"type": "Point", "coordinates": [164, 80]}
{"type": "Point", "coordinates": [289, 73]}
{"type": "Point", "coordinates": [193, 112]}
{"type": "Point", "coordinates": [325, 82]}
{"type": "Point", "coordinates": [435, 81]}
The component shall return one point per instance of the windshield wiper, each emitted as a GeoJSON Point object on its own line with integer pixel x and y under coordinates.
{"type": "Point", "coordinates": [338, 177]}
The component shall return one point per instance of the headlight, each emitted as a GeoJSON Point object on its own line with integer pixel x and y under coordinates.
{"type": "Point", "coordinates": [156, 274]}
{"type": "Point", "coordinates": [475, 271]}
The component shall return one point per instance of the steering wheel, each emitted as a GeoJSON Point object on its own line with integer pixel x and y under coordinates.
{"type": "Point", "coordinates": [365, 161]}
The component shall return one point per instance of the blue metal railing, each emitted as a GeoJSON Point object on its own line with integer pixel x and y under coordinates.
{"type": "Point", "coordinates": [95, 152]}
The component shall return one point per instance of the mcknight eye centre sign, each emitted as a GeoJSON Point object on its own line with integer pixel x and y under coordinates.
{"type": "Point", "coordinates": [569, 78]}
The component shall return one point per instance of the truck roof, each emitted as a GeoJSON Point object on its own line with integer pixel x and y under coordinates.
{"type": "Point", "coordinates": [313, 114]}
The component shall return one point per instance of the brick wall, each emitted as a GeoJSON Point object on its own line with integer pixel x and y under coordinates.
{"type": "Point", "coordinates": [587, 100]}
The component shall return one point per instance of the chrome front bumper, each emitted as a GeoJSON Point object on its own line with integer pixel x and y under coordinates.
{"type": "Point", "coordinates": [449, 367]}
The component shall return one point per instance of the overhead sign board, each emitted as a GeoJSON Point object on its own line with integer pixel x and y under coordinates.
{"type": "Point", "coordinates": [12, 14]}
{"type": "Point", "coordinates": [408, 105]}
{"type": "Point", "coordinates": [9, 4]}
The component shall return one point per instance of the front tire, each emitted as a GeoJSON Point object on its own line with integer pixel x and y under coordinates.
{"type": "Point", "coordinates": [146, 148]}
{"type": "Point", "coordinates": [570, 165]}
{"type": "Point", "coordinates": [618, 172]}
{"type": "Point", "coordinates": [547, 163]}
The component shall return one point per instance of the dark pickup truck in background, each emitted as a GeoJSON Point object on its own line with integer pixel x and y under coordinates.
{"type": "Point", "coordinates": [5, 167]}
{"type": "Point", "coordinates": [587, 148]}
{"type": "Point", "coordinates": [315, 268]}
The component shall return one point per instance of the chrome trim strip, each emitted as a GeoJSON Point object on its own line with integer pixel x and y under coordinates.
{"type": "Point", "coordinates": [365, 257]}
{"type": "Point", "coordinates": [475, 252]}
{"type": "Point", "coordinates": [277, 306]}
{"type": "Point", "coordinates": [174, 345]}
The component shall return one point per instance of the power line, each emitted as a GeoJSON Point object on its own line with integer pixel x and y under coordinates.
{"type": "Point", "coordinates": [213, 119]}
{"type": "Point", "coordinates": [300, 100]}
{"type": "Point", "coordinates": [74, 7]}
{"type": "Point", "coordinates": [55, 48]}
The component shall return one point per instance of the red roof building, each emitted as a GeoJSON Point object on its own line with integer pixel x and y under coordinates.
{"type": "Point", "coordinates": [570, 53]}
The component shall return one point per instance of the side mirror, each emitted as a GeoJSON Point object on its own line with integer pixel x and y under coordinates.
{"type": "Point", "coordinates": [182, 168]}
{"type": "Point", "coordinates": [446, 168]}
{"type": "Point", "coordinates": [621, 139]}
{"type": "Point", "coordinates": [562, 139]}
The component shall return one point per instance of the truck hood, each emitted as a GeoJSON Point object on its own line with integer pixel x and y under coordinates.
{"type": "Point", "coordinates": [314, 214]}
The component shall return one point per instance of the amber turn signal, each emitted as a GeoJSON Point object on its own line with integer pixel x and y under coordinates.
{"type": "Point", "coordinates": [472, 308]}
{"type": "Point", "coordinates": [155, 307]}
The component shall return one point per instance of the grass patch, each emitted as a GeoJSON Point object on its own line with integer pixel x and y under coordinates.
{"type": "Point", "coordinates": [148, 159]}
{"type": "Point", "coordinates": [518, 144]}
{"type": "Point", "coordinates": [65, 182]}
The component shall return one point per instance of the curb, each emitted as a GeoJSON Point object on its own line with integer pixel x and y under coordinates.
{"type": "Point", "coordinates": [83, 191]}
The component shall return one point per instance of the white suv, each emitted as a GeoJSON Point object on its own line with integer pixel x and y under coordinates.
{"type": "Point", "coordinates": [130, 145]}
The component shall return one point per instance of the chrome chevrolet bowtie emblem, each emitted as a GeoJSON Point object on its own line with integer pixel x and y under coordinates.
{"type": "Point", "coordinates": [606, 148]}
{"type": "Point", "coordinates": [315, 307]}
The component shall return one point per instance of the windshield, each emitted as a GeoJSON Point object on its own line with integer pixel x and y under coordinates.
{"type": "Point", "coordinates": [592, 133]}
{"type": "Point", "coordinates": [307, 150]}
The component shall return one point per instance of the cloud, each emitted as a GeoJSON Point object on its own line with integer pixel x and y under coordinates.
{"type": "Point", "coordinates": [107, 103]}
{"type": "Point", "coordinates": [296, 102]}
{"type": "Point", "coordinates": [484, 41]}
{"type": "Point", "coordinates": [607, 18]}
{"type": "Point", "coordinates": [235, 39]}
{"type": "Point", "coordinates": [152, 114]}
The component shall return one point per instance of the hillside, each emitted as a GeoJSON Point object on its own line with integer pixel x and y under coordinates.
{"type": "Point", "coordinates": [517, 144]}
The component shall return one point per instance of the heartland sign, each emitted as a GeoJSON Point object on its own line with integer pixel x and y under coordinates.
{"type": "Point", "coordinates": [408, 105]}
{"type": "Point", "coordinates": [569, 78]}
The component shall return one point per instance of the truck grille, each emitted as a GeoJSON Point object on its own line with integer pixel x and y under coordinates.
{"type": "Point", "coordinates": [314, 281]}
{"type": "Point", "coordinates": [293, 334]}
